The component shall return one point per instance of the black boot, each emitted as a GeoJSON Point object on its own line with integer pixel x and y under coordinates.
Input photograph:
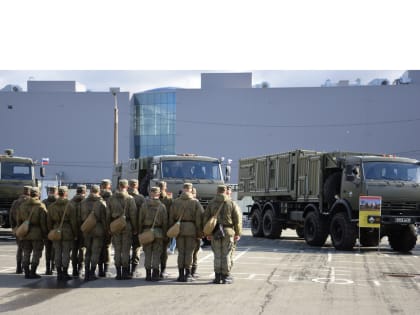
{"type": "Point", "coordinates": [75, 270]}
{"type": "Point", "coordinates": [33, 274]}
{"type": "Point", "coordinates": [91, 273]}
{"type": "Point", "coordinates": [105, 269]}
{"type": "Point", "coordinates": [126, 273]}
{"type": "Point", "coordinates": [133, 270]}
{"type": "Point", "coordinates": [27, 272]}
{"type": "Point", "coordinates": [87, 273]}
{"type": "Point", "coordinates": [188, 277]}
{"type": "Point", "coordinates": [101, 272]}
{"type": "Point", "coordinates": [227, 279]}
{"type": "Point", "coordinates": [66, 275]}
{"type": "Point", "coordinates": [19, 267]}
{"type": "Point", "coordinates": [217, 278]}
{"type": "Point", "coordinates": [155, 274]}
{"type": "Point", "coordinates": [80, 268]}
{"type": "Point", "coordinates": [119, 275]}
{"type": "Point", "coordinates": [163, 273]}
{"type": "Point", "coordinates": [48, 269]}
{"type": "Point", "coordinates": [181, 276]}
{"type": "Point", "coordinates": [59, 274]}
{"type": "Point", "coordinates": [148, 274]}
{"type": "Point", "coordinates": [194, 272]}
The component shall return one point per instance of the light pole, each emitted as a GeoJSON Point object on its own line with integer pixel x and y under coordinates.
{"type": "Point", "coordinates": [114, 92]}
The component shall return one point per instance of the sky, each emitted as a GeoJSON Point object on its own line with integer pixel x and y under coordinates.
{"type": "Point", "coordinates": [141, 45]}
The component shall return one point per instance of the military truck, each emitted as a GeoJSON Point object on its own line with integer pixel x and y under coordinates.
{"type": "Point", "coordinates": [205, 173]}
{"type": "Point", "coordinates": [317, 194]}
{"type": "Point", "coordinates": [15, 172]}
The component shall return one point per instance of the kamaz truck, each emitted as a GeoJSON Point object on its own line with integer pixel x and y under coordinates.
{"type": "Point", "coordinates": [15, 172]}
{"type": "Point", "coordinates": [205, 173]}
{"type": "Point", "coordinates": [317, 193]}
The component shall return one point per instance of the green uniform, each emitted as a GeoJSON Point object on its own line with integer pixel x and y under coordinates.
{"type": "Point", "coordinates": [32, 243]}
{"type": "Point", "coordinates": [230, 219]}
{"type": "Point", "coordinates": [152, 252]}
{"type": "Point", "coordinates": [191, 228]}
{"type": "Point", "coordinates": [94, 240]}
{"type": "Point", "coordinates": [13, 224]}
{"type": "Point", "coordinates": [122, 204]}
{"type": "Point", "coordinates": [49, 252]}
{"type": "Point", "coordinates": [79, 248]}
{"type": "Point", "coordinates": [105, 256]}
{"type": "Point", "coordinates": [135, 255]}
{"type": "Point", "coordinates": [167, 201]}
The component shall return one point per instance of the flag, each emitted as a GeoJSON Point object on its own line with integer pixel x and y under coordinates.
{"type": "Point", "coordinates": [45, 161]}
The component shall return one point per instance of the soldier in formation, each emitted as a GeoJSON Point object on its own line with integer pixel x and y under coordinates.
{"type": "Point", "coordinates": [105, 257]}
{"type": "Point", "coordinates": [49, 252]}
{"type": "Point", "coordinates": [166, 199]}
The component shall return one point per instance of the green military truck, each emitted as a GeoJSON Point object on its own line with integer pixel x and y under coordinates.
{"type": "Point", "coordinates": [15, 172]}
{"type": "Point", "coordinates": [205, 173]}
{"type": "Point", "coordinates": [317, 193]}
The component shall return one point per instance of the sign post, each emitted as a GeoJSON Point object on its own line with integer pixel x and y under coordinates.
{"type": "Point", "coordinates": [370, 214]}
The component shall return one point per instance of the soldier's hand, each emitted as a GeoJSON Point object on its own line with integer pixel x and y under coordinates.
{"type": "Point", "coordinates": [237, 238]}
{"type": "Point", "coordinates": [209, 237]}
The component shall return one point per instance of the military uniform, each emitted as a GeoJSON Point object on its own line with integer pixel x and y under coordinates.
{"type": "Point", "coordinates": [167, 201]}
{"type": "Point", "coordinates": [49, 252]}
{"type": "Point", "coordinates": [32, 243]}
{"type": "Point", "coordinates": [122, 204]}
{"type": "Point", "coordinates": [191, 228]}
{"type": "Point", "coordinates": [135, 245]}
{"type": "Point", "coordinates": [195, 252]}
{"type": "Point", "coordinates": [94, 239]}
{"type": "Point", "coordinates": [105, 256]}
{"type": "Point", "coordinates": [229, 217]}
{"type": "Point", "coordinates": [152, 252]}
{"type": "Point", "coordinates": [78, 249]}
{"type": "Point", "coordinates": [62, 248]}
{"type": "Point", "coordinates": [13, 224]}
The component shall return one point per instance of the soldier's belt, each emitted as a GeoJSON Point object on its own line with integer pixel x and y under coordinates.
{"type": "Point", "coordinates": [192, 221]}
{"type": "Point", "coordinates": [149, 226]}
{"type": "Point", "coordinates": [228, 225]}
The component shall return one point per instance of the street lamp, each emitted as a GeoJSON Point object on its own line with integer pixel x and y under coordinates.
{"type": "Point", "coordinates": [114, 92]}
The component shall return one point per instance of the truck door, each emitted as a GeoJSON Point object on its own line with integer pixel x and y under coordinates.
{"type": "Point", "coordinates": [352, 183]}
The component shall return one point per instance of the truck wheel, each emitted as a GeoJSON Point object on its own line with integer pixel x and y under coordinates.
{"type": "Point", "coordinates": [300, 231]}
{"type": "Point", "coordinates": [256, 223]}
{"type": "Point", "coordinates": [332, 188]}
{"type": "Point", "coordinates": [403, 240]}
{"type": "Point", "coordinates": [343, 232]}
{"type": "Point", "coordinates": [369, 237]}
{"type": "Point", "coordinates": [271, 228]}
{"type": "Point", "coordinates": [315, 229]}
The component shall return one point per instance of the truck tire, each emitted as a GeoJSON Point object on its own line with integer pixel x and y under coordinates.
{"type": "Point", "coordinates": [332, 188]}
{"type": "Point", "coordinates": [271, 227]}
{"type": "Point", "coordinates": [256, 223]}
{"type": "Point", "coordinates": [343, 232]}
{"type": "Point", "coordinates": [369, 237]}
{"type": "Point", "coordinates": [300, 231]}
{"type": "Point", "coordinates": [315, 229]}
{"type": "Point", "coordinates": [403, 240]}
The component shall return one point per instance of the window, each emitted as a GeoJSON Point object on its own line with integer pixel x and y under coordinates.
{"type": "Point", "coordinates": [16, 171]}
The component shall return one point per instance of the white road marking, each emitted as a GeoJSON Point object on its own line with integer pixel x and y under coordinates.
{"type": "Point", "coordinates": [376, 283]}
{"type": "Point", "coordinates": [329, 259]}
{"type": "Point", "coordinates": [241, 254]}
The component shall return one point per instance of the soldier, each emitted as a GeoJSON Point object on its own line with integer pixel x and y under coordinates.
{"type": "Point", "coordinates": [78, 248]}
{"type": "Point", "coordinates": [32, 243]}
{"type": "Point", "coordinates": [229, 195]}
{"type": "Point", "coordinates": [224, 236]}
{"type": "Point", "coordinates": [105, 256]}
{"type": "Point", "coordinates": [194, 273]}
{"type": "Point", "coordinates": [166, 198]}
{"type": "Point", "coordinates": [189, 210]}
{"type": "Point", "coordinates": [121, 204]}
{"type": "Point", "coordinates": [153, 211]}
{"type": "Point", "coordinates": [69, 233]}
{"type": "Point", "coordinates": [13, 224]}
{"type": "Point", "coordinates": [135, 245]}
{"type": "Point", "coordinates": [49, 252]}
{"type": "Point", "coordinates": [94, 238]}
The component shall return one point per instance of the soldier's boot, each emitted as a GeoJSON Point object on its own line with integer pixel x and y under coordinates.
{"type": "Point", "coordinates": [119, 273]}
{"type": "Point", "coordinates": [48, 269]}
{"type": "Point", "coordinates": [188, 277]}
{"type": "Point", "coordinates": [105, 269]}
{"type": "Point", "coordinates": [126, 273]}
{"type": "Point", "coordinates": [148, 274]}
{"type": "Point", "coordinates": [194, 272]}
{"type": "Point", "coordinates": [19, 267]}
{"type": "Point", "coordinates": [91, 273]}
{"type": "Point", "coordinates": [163, 273]}
{"type": "Point", "coordinates": [33, 274]}
{"type": "Point", "coordinates": [217, 278]}
{"type": "Point", "coordinates": [27, 272]}
{"type": "Point", "coordinates": [52, 266]}
{"type": "Point", "coordinates": [181, 275]}
{"type": "Point", "coordinates": [101, 272]}
{"type": "Point", "coordinates": [59, 274]}
{"type": "Point", "coordinates": [65, 274]}
{"type": "Point", "coordinates": [75, 272]}
{"type": "Point", "coordinates": [133, 270]}
{"type": "Point", "coordinates": [155, 274]}
{"type": "Point", "coordinates": [227, 279]}
{"type": "Point", "coordinates": [87, 273]}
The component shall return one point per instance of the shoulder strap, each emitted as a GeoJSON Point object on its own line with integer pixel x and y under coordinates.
{"type": "Point", "coordinates": [30, 214]}
{"type": "Point", "coordinates": [154, 220]}
{"type": "Point", "coordinates": [62, 218]}
{"type": "Point", "coordinates": [218, 210]}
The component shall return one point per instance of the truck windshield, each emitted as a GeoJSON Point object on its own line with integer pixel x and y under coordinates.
{"type": "Point", "coordinates": [392, 171]}
{"type": "Point", "coordinates": [15, 170]}
{"type": "Point", "coordinates": [191, 169]}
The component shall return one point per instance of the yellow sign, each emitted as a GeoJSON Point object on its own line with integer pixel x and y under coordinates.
{"type": "Point", "coordinates": [370, 211]}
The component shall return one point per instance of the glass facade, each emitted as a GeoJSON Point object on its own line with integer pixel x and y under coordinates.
{"type": "Point", "coordinates": [154, 122]}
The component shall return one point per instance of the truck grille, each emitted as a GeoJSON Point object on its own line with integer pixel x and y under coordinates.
{"type": "Point", "coordinates": [6, 203]}
{"type": "Point", "coordinates": [400, 208]}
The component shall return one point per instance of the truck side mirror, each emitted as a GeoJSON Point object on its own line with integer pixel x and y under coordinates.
{"type": "Point", "coordinates": [42, 171]}
{"type": "Point", "coordinates": [228, 172]}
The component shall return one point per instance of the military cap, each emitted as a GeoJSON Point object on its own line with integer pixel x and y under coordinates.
{"type": "Point", "coordinates": [27, 189]}
{"type": "Point", "coordinates": [162, 184]}
{"type": "Point", "coordinates": [155, 190]}
{"type": "Point", "coordinates": [52, 188]}
{"type": "Point", "coordinates": [63, 189]}
{"type": "Point", "coordinates": [34, 191]}
{"type": "Point", "coordinates": [106, 181]}
{"type": "Point", "coordinates": [95, 189]}
{"type": "Point", "coordinates": [123, 182]}
{"type": "Point", "coordinates": [81, 188]}
{"type": "Point", "coordinates": [133, 181]}
{"type": "Point", "coordinates": [188, 185]}
{"type": "Point", "coordinates": [221, 189]}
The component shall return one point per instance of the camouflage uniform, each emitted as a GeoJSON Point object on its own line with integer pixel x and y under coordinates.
{"type": "Point", "coordinates": [197, 247]}
{"type": "Point", "coordinates": [167, 201]}
{"type": "Point", "coordinates": [78, 248]}
{"type": "Point", "coordinates": [32, 242]}
{"type": "Point", "coordinates": [153, 251]}
{"type": "Point", "coordinates": [105, 256]}
{"type": "Point", "coordinates": [135, 245]}
{"type": "Point", "coordinates": [191, 228]}
{"type": "Point", "coordinates": [94, 239]}
{"type": "Point", "coordinates": [62, 248]}
{"type": "Point", "coordinates": [49, 252]}
{"type": "Point", "coordinates": [229, 217]}
{"type": "Point", "coordinates": [122, 204]}
{"type": "Point", "coordinates": [13, 224]}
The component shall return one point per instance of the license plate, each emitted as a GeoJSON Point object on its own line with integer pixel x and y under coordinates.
{"type": "Point", "coordinates": [402, 220]}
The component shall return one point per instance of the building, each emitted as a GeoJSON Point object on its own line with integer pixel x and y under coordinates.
{"type": "Point", "coordinates": [72, 127]}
